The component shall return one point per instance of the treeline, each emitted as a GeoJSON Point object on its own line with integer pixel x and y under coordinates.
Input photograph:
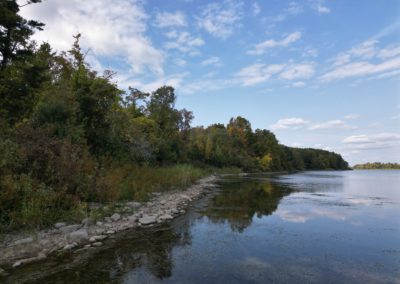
{"type": "Point", "coordinates": [69, 135]}
{"type": "Point", "coordinates": [377, 166]}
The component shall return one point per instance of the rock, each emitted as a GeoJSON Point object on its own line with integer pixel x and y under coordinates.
{"type": "Point", "coordinates": [29, 260]}
{"type": "Point", "coordinates": [23, 241]}
{"type": "Point", "coordinates": [133, 204]}
{"type": "Point", "coordinates": [166, 217]}
{"type": "Point", "coordinates": [147, 220]}
{"type": "Point", "coordinates": [156, 193]}
{"type": "Point", "coordinates": [97, 238]}
{"type": "Point", "coordinates": [185, 197]}
{"type": "Point", "coordinates": [110, 232]}
{"type": "Point", "coordinates": [59, 225]}
{"type": "Point", "coordinates": [115, 217]}
{"type": "Point", "coordinates": [88, 222]}
{"type": "Point", "coordinates": [99, 223]}
{"type": "Point", "coordinates": [108, 220]}
{"type": "Point", "coordinates": [97, 244]}
{"type": "Point", "coordinates": [69, 229]}
{"type": "Point", "coordinates": [133, 218]}
{"type": "Point", "coordinates": [182, 211]}
{"type": "Point", "coordinates": [163, 202]}
{"type": "Point", "coordinates": [41, 256]}
{"type": "Point", "coordinates": [79, 236]}
{"type": "Point", "coordinates": [87, 246]}
{"type": "Point", "coordinates": [70, 246]}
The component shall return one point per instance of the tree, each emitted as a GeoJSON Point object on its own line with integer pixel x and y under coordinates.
{"type": "Point", "coordinates": [15, 32]}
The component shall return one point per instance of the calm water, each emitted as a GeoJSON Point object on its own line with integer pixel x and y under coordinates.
{"type": "Point", "coordinates": [313, 227]}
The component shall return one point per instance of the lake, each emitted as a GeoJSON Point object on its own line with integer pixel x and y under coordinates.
{"type": "Point", "coordinates": [308, 227]}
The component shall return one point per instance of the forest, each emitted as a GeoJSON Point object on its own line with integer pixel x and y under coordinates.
{"type": "Point", "coordinates": [377, 166]}
{"type": "Point", "coordinates": [70, 136]}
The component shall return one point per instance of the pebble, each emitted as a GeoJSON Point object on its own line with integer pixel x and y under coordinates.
{"type": "Point", "coordinates": [115, 217]}
{"type": "Point", "coordinates": [23, 241]}
{"type": "Point", "coordinates": [97, 244]}
{"type": "Point", "coordinates": [59, 225]}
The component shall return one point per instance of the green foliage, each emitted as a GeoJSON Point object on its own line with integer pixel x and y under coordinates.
{"type": "Point", "coordinates": [377, 165]}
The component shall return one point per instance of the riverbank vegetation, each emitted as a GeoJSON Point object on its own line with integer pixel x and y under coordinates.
{"type": "Point", "coordinates": [377, 166]}
{"type": "Point", "coordinates": [69, 136]}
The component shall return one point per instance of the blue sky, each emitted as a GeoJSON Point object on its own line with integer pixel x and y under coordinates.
{"type": "Point", "coordinates": [323, 74]}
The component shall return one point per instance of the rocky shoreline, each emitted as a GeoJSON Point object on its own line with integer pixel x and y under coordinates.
{"type": "Point", "coordinates": [163, 207]}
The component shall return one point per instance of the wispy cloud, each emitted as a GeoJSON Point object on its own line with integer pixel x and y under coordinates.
{"type": "Point", "coordinates": [262, 47]}
{"type": "Point", "coordinates": [256, 8]}
{"type": "Point", "coordinates": [374, 141]}
{"type": "Point", "coordinates": [221, 19]}
{"type": "Point", "coordinates": [289, 123]}
{"type": "Point", "coordinates": [214, 60]}
{"type": "Point", "coordinates": [320, 6]}
{"type": "Point", "coordinates": [332, 124]}
{"type": "Point", "coordinates": [167, 20]}
{"type": "Point", "coordinates": [363, 60]}
{"type": "Point", "coordinates": [183, 41]}
{"type": "Point", "coordinates": [258, 73]}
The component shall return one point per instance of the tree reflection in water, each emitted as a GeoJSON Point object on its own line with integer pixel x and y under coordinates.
{"type": "Point", "coordinates": [239, 202]}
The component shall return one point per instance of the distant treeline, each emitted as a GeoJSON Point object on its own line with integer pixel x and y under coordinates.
{"type": "Point", "coordinates": [69, 135]}
{"type": "Point", "coordinates": [377, 165]}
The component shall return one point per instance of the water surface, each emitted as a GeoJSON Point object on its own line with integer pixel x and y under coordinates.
{"type": "Point", "coordinates": [313, 227]}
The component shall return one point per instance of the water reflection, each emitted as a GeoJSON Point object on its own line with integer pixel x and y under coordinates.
{"type": "Point", "coordinates": [240, 202]}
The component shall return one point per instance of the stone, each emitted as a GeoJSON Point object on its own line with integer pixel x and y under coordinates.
{"type": "Point", "coordinates": [70, 246]}
{"type": "Point", "coordinates": [97, 238]}
{"type": "Point", "coordinates": [147, 220]}
{"type": "Point", "coordinates": [110, 232]}
{"type": "Point", "coordinates": [79, 236]}
{"type": "Point", "coordinates": [163, 202]}
{"type": "Point", "coordinates": [23, 241]}
{"type": "Point", "coordinates": [97, 244]}
{"type": "Point", "coordinates": [88, 222]}
{"type": "Point", "coordinates": [115, 217]}
{"type": "Point", "coordinates": [166, 217]}
{"type": "Point", "coordinates": [108, 220]}
{"type": "Point", "coordinates": [59, 225]}
{"type": "Point", "coordinates": [133, 218]}
{"type": "Point", "coordinates": [133, 204]}
{"type": "Point", "coordinates": [99, 223]}
{"type": "Point", "coordinates": [69, 229]}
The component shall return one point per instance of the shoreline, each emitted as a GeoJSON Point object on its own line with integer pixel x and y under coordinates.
{"type": "Point", "coordinates": [63, 238]}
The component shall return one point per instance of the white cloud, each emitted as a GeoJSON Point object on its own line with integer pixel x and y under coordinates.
{"type": "Point", "coordinates": [289, 123]}
{"type": "Point", "coordinates": [166, 19]}
{"type": "Point", "coordinates": [174, 80]}
{"type": "Point", "coordinates": [221, 19]}
{"type": "Point", "coordinates": [294, 8]}
{"type": "Point", "coordinates": [183, 41]}
{"type": "Point", "coordinates": [320, 7]}
{"type": "Point", "coordinates": [258, 73]}
{"type": "Point", "coordinates": [365, 59]}
{"type": "Point", "coordinates": [180, 62]}
{"type": "Point", "coordinates": [352, 116]}
{"type": "Point", "coordinates": [298, 84]}
{"type": "Point", "coordinates": [298, 71]}
{"type": "Point", "coordinates": [116, 30]}
{"type": "Point", "coordinates": [332, 124]}
{"type": "Point", "coordinates": [361, 68]}
{"type": "Point", "coordinates": [374, 141]}
{"type": "Point", "coordinates": [271, 43]}
{"type": "Point", "coordinates": [214, 60]}
{"type": "Point", "coordinates": [256, 9]}
{"type": "Point", "coordinates": [389, 52]}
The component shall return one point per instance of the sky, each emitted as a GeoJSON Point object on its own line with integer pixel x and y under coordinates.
{"type": "Point", "coordinates": [320, 74]}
